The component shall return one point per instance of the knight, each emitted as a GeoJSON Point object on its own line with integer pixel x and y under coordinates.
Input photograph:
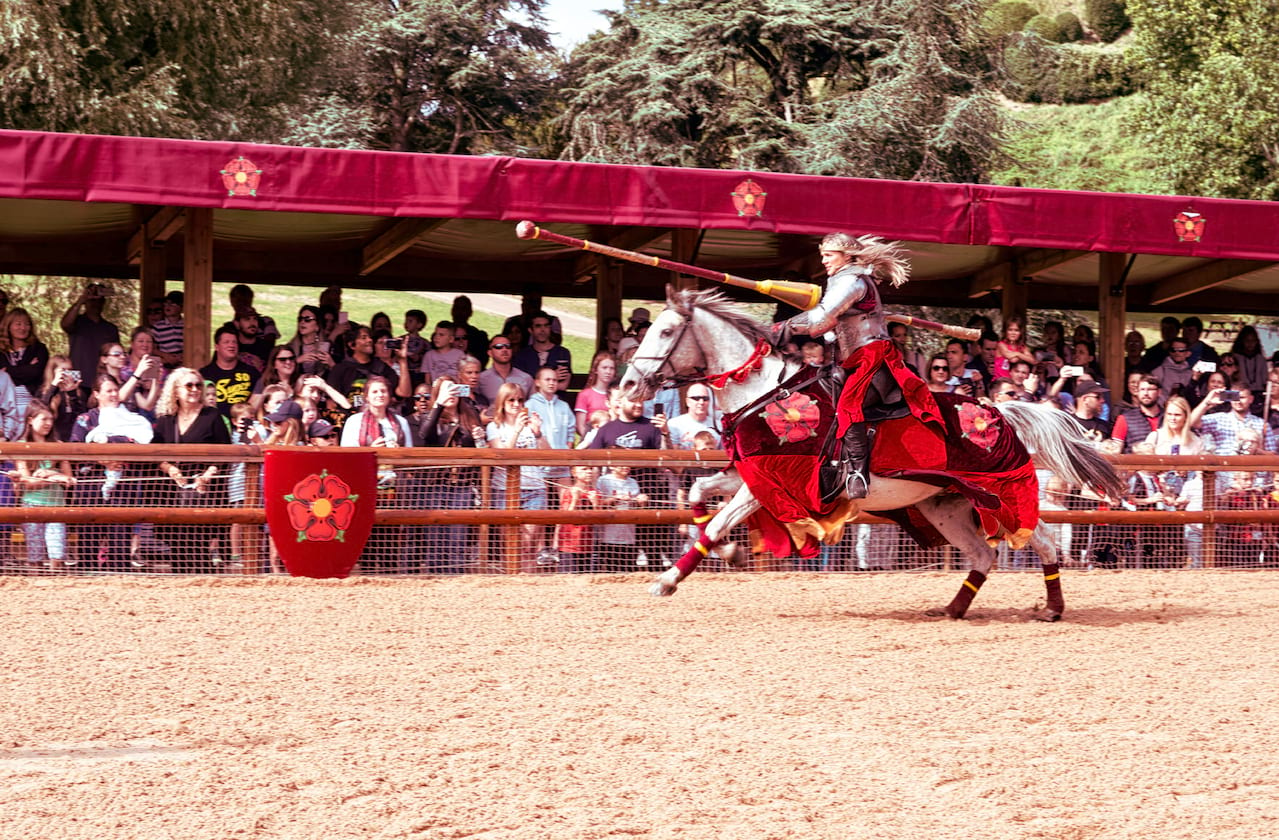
{"type": "Point", "coordinates": [877, 385]}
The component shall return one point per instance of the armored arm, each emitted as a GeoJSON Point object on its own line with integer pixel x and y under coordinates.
{"type": "Point", "coordinates": [844, 289]}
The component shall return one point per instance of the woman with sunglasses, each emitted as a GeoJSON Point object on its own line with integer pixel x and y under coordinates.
{"type": "Point", "coordinates": [515, 427]}
{"type": "Point", "coordinates": [281, 369]}
{"type": "Point", "coordinates": [938, 374]}
{"type": "Point", "coordinates": [450, 422]}
{"type": "Point", "coordinates": [112, 361]}
{"type": "Point", "coordinates": [309, 345]}
{"type": "Point", "coordinates": [186, 420]}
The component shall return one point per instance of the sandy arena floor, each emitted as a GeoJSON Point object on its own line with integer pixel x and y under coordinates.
{"type": "Point", "coordinates": [764, 706]}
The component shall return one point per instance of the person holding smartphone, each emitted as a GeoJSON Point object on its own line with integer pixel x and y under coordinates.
{"type": "Point", "coordinates": [87, 329]}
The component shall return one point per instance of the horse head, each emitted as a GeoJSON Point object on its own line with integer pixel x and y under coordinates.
{"type": "Point", "coordinates": [700, 333]}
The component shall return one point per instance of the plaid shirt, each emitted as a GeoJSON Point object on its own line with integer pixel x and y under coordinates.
{"type": "Point", "coordinates": [1221, 434]}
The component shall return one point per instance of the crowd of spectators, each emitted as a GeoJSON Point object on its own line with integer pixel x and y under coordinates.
{"type": "Point", "coordinates": [336, 382]}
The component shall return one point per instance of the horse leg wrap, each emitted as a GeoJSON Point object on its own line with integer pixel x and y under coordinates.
{"type": "Point", "coordinates": [1052, 581]}
{"type": "Point", "coordinates": [959, 606]}
{"type": "Point", "coordinates": [700, 514]}
{"type": "Point", "coordinates": [693, 557]}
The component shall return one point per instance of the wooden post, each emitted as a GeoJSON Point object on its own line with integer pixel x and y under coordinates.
{"type": "Point", "coordinates": [252, 534]}
{"type": "Point", "coordinates": [1111, 314]}
{"type": "Point", "coordinates": [198, 288]}
{"type": "Point", "coordinates": [513, 544]}
{"type": "Point", "coordinates": [684, 249]}
{"type": "Point", "coordinates": [151, 272]}
{"type": "Point", "coordinates": [608, 295]}
{"type": "Point", "coordinates": [1014, 294]}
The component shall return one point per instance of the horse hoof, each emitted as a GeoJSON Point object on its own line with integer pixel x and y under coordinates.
{"type": "Point", "coordinates": [938, 612]}
{"type": "Point", "coordinates": [1049, 617]}
{"type": "Point", "coordinates": [661, 590]}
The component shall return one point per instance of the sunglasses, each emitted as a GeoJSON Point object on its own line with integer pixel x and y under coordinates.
{"type": "Point", "coordinates": [421, 397]}
{"type": "Point", "coordinates": [192, 386]}
{"type": "Point", "coordinates": [286, 358]}
{"type": "Point", "coordinates": [940, 367]}
{"type": "Point", "coordinates": [114, 353]}
{"type": "Point", "coordinates": [307, 319]}
{"type": "Point", "coordinates": [699, 399]}
{"type": "Point", "coordinates": [1179, 350]}
{"type": "Point", "coordinates": [500, 347]}
{"type": "Point", "coordinates": [1007, 393]}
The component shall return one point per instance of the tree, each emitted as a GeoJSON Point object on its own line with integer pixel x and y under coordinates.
{"type": "Point", "coordinates": [843, 88]}
{"type": "Point", "coordinates": [1212, 104]}
{"type": "Point", "coordinates": [460, 77]}
{"type": "Point", "coordinates": [176, 68]}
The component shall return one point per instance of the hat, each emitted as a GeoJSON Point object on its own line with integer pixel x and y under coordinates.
{"type": "Point", "coordinates": [321, 428]}
{"type": "Point", "coordinates": [641, 317]}
{"type": "Point", "coordinates": [1092, 388]}
{"type": "Point", "coordinates": [287, 410]}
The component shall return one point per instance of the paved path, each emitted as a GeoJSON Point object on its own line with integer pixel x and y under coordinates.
{"type": "Point", "coordinates": [508, 305]}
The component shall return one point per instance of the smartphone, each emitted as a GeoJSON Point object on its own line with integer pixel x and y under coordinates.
{"type": "Point", "coordinates": [1205, 367]}
{"type": "Point", "coordinates": [462, 390]}
{"type": "Point", "coordinates": [344, 317]}
{"type": "Point", "coordinates": [1069, 371]}
{"type": "Point", "coordinates": [394, 344]}
{"type": "Point", "coordinates": [1229, 396]}
{"type": "Point", "coordinates": [75, 375]}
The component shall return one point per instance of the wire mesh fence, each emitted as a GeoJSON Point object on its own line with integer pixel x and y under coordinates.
{"type": "Point", "coordinates": [444, 513]}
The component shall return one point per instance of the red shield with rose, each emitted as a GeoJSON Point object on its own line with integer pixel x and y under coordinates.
{"type": "Point", "coordinates": [319, 506]}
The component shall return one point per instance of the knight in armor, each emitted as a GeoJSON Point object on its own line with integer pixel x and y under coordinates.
{"type": "Point", "coordinates": [877, 384]}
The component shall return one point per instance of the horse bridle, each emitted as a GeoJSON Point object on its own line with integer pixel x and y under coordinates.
{"type": "Point", "coordinates": [665, 375]}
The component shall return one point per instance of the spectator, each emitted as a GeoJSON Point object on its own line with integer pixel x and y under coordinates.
{"type": "Point", "coordinates": [324, 399]}
{"type": "Point", "coordinates": [1088, 401]}
{"type": "Point", "coordinates": [1030, 384]}
{"type": "Point", "coordinates": [575, 543]}
{"type": "Point", "coordinates": [960, 367]}
{"type": "Point", "coordinates": [814, 353]}
{"type": "Point", "coordinates": [1169, 331]}
{"type": "Point", "coordinates": [1053, 353]}
{"type": "Point", "coordinates": [515, 427]}
{"type": "Point", "coordinates": [1012, 346]}
{"type": "Point", "coordinates": [938, 379]}
{"type": "Point", "coordinates": [281, 369]}
{"type": "Point", "coordinates": [23, 355]}
{"type": "Point", "coordinates": [1003, 390]}
{"type": "Point", "coordinates": [640, 319]}
{"type": "Point", "coordinates": [1134, 349]}
{"type": "Point", "coordinates": [594, 394]}
{"type": "Point", "coordinates": [1136, 424]}
{"type": "Point", "coordinates": [1200, 387]}
{"type": "Point", "coordinates": [4, 303]}
{"type": "Point", "coordinates": [254, 347]}
{"type": "Point", "coordinates": [1228, 433]}
{"type": "Point", "coordinates": [87, 329]}
{"type": "Point", "coordinates": [450, 423]}
{"type": "Point", "coordinates": [1131, 383]}
{"type": "Point", "coordinates": [349, 376]}
{"type": "Point", "coordinates": [44, 483]}
{"type": "Point", "coordinates": [380, 322]}
{"type": "Point", "coordinates": [900, 336]}
{"type": "Point", "coordinates": [1174, 373]}
{"type": "Point", "coordinates": [1228, 366]}
{"type": "Point", "coordinates": [617, 490]}
{"type": "Point", "coordinates": [1152, 542]}
{"type": "Point", "coordinates": [241, 298]}
{"type": "Point", "coordinates": [698, 418]}
{"type": "Point", "coordinates": [169, 332]}
{"type": "Point", "coordinates": [502, 372]}
{"type": "Point", "coordinates": [376, 424]}
{"type": "Point", "coordinates": [613, 333]}
{"type": "Point", "coordinates": [460, 313]}
{"type": "Point", "coordinates": [1250, 358]}
{"type": "Point", "coordinates": [542, 351]}
{"type": "Point", "coordinates": [232, 379]}
{"type": "Point", "coordinates": [414, 323]}
{"type": "Point", "coordinates": [421, 409]}
{"type": "Point", "coordinates": [1191, 330]}
{"type": "Point", "coordinates": [558, 424]}
{"type": "Point", "coordinates": [517, 334]}
{"type": "Point", "coordinates": [1241, 543]}
{"type": "Point", "coordinates": [322, 433]}
{"type": "Point", "coordinates": [1175, 435]}
{"type": "Point", "coordinates": [442, 359]}
{"type": "Point", "coordinates": [185, 419]}
{"type": "Point", "coordinates": [530, 305]}
{"type": "Point", "coordinates": [392, 353]}
{"type": "Point", "coordinates": [312, 350]}
{"type": "Point", "coordinates": [63, 393]}
{"type": "Point", "coordinates": [468, 375]}
{"type": "Point", "coordinates": [633, 431]}
{"type": "Point", "coordinates": [144, 371]}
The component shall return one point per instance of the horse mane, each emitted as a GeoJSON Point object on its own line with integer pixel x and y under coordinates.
{"type": "Point", "coordinates": [716, 303]}
{"type": "Point", "coordinates": [886, 258]}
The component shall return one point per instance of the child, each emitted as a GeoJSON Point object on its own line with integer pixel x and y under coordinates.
{"type": "Point", "coordinates": [1012, 347]}
{"type": "Point", "coordinates": [597, 419]}
{"type": "Point", "coordinates": [44, 484]}
{"type": "Point", "coordinates": [619, 491]}
{"type": "Point", "coordinates": [576, 543]}
{"type": "Point", "coordinates": [443, 358]}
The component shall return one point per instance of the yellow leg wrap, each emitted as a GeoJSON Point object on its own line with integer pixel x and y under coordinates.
{"type": "Point", "coordinates": [1056, 576]}
{"type": "Point", "coordinates": [970, 585]}
{"type": "Point", "coordinates": [702, 520]}
{"type": "Point", "coordinates": [704, 550]}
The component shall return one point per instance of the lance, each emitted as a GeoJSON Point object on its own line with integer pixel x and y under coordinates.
{"type": "Point", "coordinates": [797, 294]}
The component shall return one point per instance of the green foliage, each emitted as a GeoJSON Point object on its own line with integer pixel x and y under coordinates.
{"type": "Point", "coordinates": [1045, 27]}
{"type": "Point", "coordinates": [1006, 17]}
{"type": "Point", "coordinates": [47, 298]}
{"type": "Point", "coordinates": [841, 89]}
{"type": "Point", "coordinates": [1107, 18]}
{"type": "Point", "coordinates": [1069, 27]}
{"type": "Point", "coordinates": [450, 76]}
{"type": "Point", "coordinates": [1038, 71]}
{"type": "Point", "coordinates": [1082, 147]}
{"type": "Point", "coordinates": [1213, 95]}
{"type": "Point", "coordinates": [177, 68]}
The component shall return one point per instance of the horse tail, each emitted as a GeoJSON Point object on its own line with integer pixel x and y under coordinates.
{"type": "Point", "coordinates": [1058, 444]}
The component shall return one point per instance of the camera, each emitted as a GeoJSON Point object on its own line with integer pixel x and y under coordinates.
{"type": "Point", "coordinates": [394, 343]}
{"type": "Point", "coordinates": [75, 375]}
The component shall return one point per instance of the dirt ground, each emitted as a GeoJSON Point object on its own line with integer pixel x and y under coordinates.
{"type": "Point", "coordinates": [760, 706]}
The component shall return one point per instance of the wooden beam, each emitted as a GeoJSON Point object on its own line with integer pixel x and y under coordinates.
{"type": "Point", "coordinates": [1111, 311]}
{"type": "Point", "coordinates": [1203, 277]}
{"type": "Point", "coordinates": [198, 289]}
{"type": "Point", "coordinates": [394, 241]}
{"type": "Point", "coordinates": [684, 246]}
{"type": "Point", "coordinates": [157, 230]}
{"type": "Point", "coordinates": [1017, 264]}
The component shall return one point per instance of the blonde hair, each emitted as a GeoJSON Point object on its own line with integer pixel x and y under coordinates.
{"type": "Point", "coordinates": [885, 258]}
{"type": "Point", "coordinates": [168, 402]}
{"type": "Point", "coordinates": [286, 433]}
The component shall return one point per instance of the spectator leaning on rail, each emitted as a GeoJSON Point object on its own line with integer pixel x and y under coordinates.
{"type": "Point", "coordinates": [698, 418]}
{"type": "Point", "coordinates": [451, 423]}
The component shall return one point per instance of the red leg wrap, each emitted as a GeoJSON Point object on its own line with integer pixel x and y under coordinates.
{"type": "Point", "coordinates": [694, 556]}
{"type": "Point", "coordinates": [967, 592]}
{"type": "Point", "coordinates": [1052, 581]}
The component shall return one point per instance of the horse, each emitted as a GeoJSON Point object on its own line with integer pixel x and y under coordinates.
{"type": "Point", "coordinates": [703, 337]}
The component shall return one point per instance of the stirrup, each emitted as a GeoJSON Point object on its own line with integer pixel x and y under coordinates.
{"type": "Point", "coordinates": [856, 486]}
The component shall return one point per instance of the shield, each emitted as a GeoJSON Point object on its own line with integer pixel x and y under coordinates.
{"type": "Point", "coordinates": [241, 177]}
{"type": "Point", "coordinates": [1189, 226]}
{"type": "Point", "coordinates": [319, 505]}
{"type": "Point", "coordinates": [748, 198]}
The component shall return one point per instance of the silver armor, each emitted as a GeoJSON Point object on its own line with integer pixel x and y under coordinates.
{"type": "Point", "coordinates": [851, 307]}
